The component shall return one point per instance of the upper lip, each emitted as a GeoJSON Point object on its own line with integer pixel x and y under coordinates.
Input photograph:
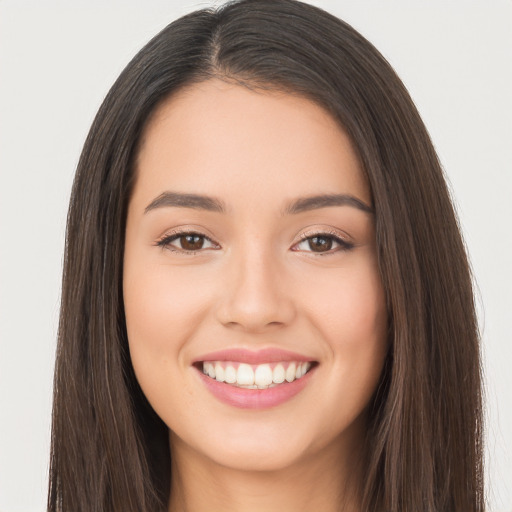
{"type": "Point", "coordinates": [266, 355]}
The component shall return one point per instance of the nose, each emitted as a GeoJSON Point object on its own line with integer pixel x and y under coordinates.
{"type": "Point", "coordinates": [255, 297]}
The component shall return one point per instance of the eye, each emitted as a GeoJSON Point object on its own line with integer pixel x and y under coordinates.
{"type": "Point", "coordinates": [322, 243]}
{"type": "Point", "coordinates": [186, 242]}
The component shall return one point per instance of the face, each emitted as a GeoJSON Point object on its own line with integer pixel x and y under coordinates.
{"type": "Point", "coordinates": [255, 312]}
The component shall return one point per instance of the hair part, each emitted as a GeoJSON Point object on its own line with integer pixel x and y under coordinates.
{"type": "Point", "coordinates": [110, 451]}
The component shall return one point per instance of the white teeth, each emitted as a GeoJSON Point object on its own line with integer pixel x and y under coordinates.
{"type": "Point", "coordinates": [290, 373]}
{"type": "Point", "coordinates": [245, 375]}
{"type": "Point", "coordinates": [219, 373]}
{"type": "Point", "coordinates": [230, 375]}
{"type": "Point", "coordinates": [278, 374]}
{"type": "Point", "coordinates": [304, 367]}
{"type": "Point", "coordinates": [263, 375]}
{"type": "Point", "coordinates": [256, 376]}
{"type": "Point", "coordinates": [209, 369]}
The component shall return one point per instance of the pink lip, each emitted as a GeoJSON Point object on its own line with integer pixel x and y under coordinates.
{"type": "Point", "coordinates": [267, 355]}
{"type": "Point", "coordinates": [255, 398]}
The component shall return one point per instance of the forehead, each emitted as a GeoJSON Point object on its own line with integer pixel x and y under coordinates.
{"type": "Point", "coordinates": [220, 138]}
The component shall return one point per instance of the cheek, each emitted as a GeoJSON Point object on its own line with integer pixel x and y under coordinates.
{"type": "Point", "coordinates": [349, 307]}
{"type": "Point", "coordinates": [352, 318]}
{"type": "Point", "coordinates": [162, 306]}
{"type": "Point", "coordinates": [160, 301]}
{"type": "Point", "coordinates": [362, 316]}
{"type": "Point", "coordinates": [362, 323]}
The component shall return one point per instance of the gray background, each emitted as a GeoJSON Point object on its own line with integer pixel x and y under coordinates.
{"type": "Point", "coordinates": [57, 61]}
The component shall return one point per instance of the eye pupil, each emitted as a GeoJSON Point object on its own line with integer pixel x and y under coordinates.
{"type": "Point", "coordinates": [192, 242]}
{"type": "Point", "coordinates": [320, 243]}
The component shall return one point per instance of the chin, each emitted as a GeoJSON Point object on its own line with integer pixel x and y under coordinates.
{"type": "Point", "coordinates": [259, 456]}
{"type": "Point", "coordinates": [265, 446]}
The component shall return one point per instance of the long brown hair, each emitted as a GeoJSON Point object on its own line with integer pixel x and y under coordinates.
{"type": "Point", "coordinates": [110, 451]}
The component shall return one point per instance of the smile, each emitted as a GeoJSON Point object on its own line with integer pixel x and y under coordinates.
{"type": "Point", "coordinates": [262, 376]}
{"type": "Point", "coordinates": [255, 380]}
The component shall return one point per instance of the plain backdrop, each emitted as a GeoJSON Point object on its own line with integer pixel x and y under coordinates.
{"type": "Point", "coordinates": [57, 61]}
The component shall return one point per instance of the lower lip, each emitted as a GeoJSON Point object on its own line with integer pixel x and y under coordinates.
{"type": "Point", "coordinates": [255, 398]}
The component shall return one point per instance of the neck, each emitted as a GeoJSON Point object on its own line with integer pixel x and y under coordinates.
{"type": "Point", "coordinates": [329, 481]}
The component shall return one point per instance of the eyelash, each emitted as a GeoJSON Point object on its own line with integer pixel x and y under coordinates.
{"type": "Point", "coordinates": [343, 245]}
{"type": "Point", "coordinates": [166, 241]}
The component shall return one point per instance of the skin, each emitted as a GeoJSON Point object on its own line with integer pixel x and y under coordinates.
{"type": "Point", "coordinates": [257, 284]}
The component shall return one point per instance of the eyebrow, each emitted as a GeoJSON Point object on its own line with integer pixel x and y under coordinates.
{"type": "Point", "coordinates": [304, 204]}
{"type": "Point", "coordinates": [180, 200]}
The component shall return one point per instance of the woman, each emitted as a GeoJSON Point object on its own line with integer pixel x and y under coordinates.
{"type": "Point", "coordinates": [266, 300]}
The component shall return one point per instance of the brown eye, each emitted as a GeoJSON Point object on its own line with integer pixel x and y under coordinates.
{"type": "Point", "coordinates": [320, 243]}
{"type": "Point", "coordinates": [323, 243]}
{"type": "Point", "coordinates": [191, 242]}
{"type": "Point", "coordinates": [187, 242]}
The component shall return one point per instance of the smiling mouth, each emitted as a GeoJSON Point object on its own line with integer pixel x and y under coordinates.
{"type": "Point", "coordinates": [260, 376]}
